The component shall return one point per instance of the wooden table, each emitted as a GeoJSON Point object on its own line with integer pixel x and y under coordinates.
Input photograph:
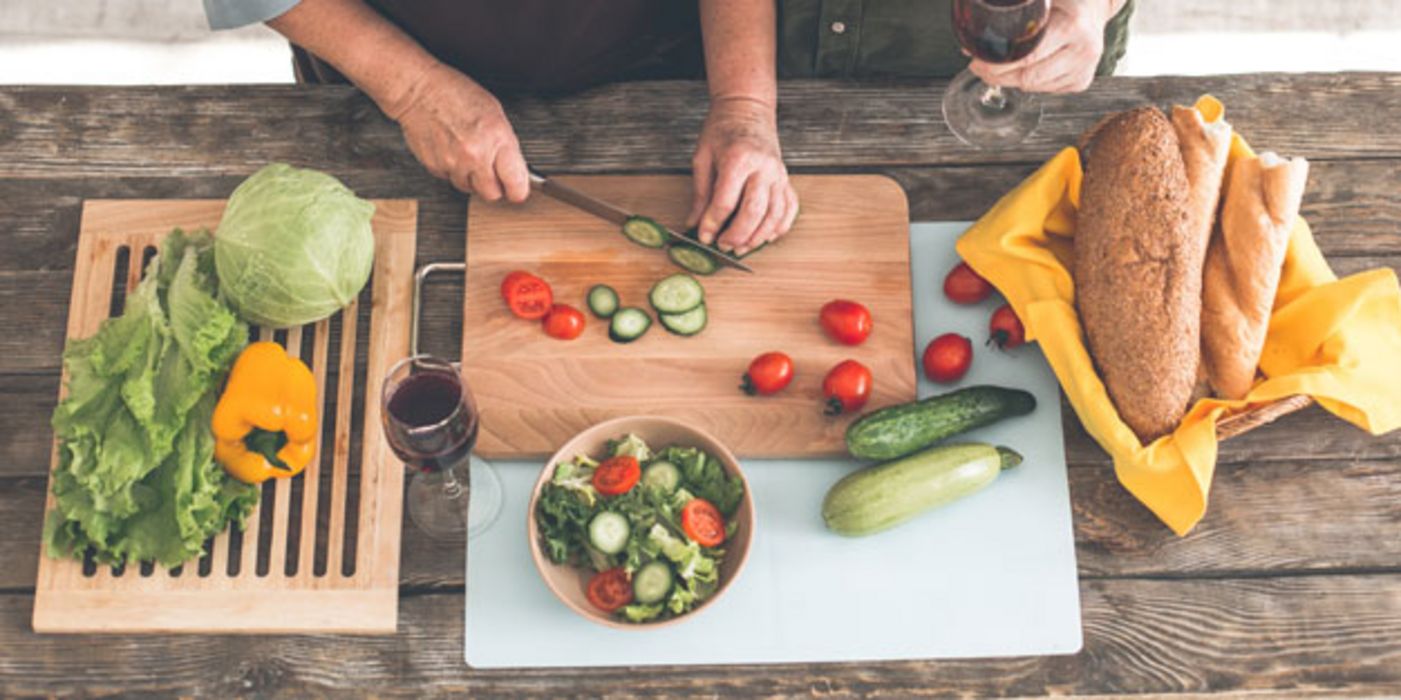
{"type": "Point", "coordinates": [1291, 585]}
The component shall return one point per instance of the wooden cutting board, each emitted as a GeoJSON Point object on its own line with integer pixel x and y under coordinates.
{"type": "Point", "coordinates": [535, 392]}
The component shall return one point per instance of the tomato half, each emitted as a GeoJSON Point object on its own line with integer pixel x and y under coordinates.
{"type": "Point", "coordinates": [610, 590]}
{"type": "Point", "coordinates": [1005, 329]}
{"type": "Point", "coordinates": [528, 296]}
{"type": "Point", "coordinates": [702, 522]}
{"type": "Point", "coordinates": [564, 322]}
{"type": "Point", "coordinates": [769, 373]}
{"type": "Point", "coordinates": [964, 286]}
{"type": "Point", "coordinates": [847, 387]}
{"type": "Point", "coordinates": [617, 475]}
{"type": "Point", "coordinates": [846, 321]}
{"type": "Point", "coordinates": [947, 358]}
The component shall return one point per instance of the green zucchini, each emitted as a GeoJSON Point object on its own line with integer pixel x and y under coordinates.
{"type": "Point", "coordinates": [900, 430]}
{"type": "Point", "coordinates": [880, 497]}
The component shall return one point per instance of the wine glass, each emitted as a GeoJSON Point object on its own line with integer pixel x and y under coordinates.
{"type": "Point", "coordinates": [996, 31]}
{"type": "Point", "coordinates": [431, 422]}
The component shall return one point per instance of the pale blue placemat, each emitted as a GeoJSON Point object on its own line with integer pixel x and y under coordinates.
{"type": "Point", "coordinates": [991, 575]}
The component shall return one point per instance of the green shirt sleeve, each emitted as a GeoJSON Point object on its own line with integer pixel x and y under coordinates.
{"type": "Point", "coordinates": [889, 38]}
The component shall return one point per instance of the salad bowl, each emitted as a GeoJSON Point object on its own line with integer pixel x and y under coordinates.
{"type": "Point", "coordinates": [570, 582]}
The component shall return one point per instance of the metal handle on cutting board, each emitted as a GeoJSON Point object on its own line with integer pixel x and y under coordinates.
{"type": "Point", "coordinates": [419, 277]}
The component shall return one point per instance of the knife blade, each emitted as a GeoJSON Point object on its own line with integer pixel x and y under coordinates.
{"type": "Point", "coordinates": [612, 213]}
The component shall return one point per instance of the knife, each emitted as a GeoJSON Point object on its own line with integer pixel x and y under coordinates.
{"type": "Point", "coordinates": [611, 212]}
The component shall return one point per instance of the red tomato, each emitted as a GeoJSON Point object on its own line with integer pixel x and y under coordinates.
{"type": "Point", "coordinates": [964, 286]}
{"type": "Point", "coordinates": [702, 522]}
{"type": "Point", "coordinates": [847, 387]}
{"type": "Point", "coordinates": [528, 296]}
{"type": "Point", "coordinates": [1005, 329]}
{"type": "Point", "coordinates": [564, 322]}
{"type": "Point", "coordinates": [610, 590]}
{"type": "Point", "coordinates": [617, 475]}
{"type": "Point", "coordinates": [946, 358]}
{"type": "Point", "coordinates": [769, 373]}
{"type": "Point", "coordinates": [846, 321]}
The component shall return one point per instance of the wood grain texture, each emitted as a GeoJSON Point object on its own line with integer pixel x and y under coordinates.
{"type": "Point", "coordinates": [1313, 634]}
{"type": "Point", "coordinates": [536, 392]}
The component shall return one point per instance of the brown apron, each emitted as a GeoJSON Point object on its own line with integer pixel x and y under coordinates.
{"type": "Point", "coordinates": [544, 45]}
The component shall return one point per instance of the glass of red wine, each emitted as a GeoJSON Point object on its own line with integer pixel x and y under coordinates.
{"type": "Point", "coordinates": [431, 423]}
{"type": "Point", "coordinates": [996, 31]}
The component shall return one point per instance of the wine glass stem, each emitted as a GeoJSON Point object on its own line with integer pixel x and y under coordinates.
{"type": "Point", "coordinates": [993, 98]}
{"type": "Point", "coordinates": [452, 488]}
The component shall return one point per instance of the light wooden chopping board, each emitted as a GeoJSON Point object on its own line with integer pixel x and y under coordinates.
{"type": "Point", "coordinates": [535, 392]}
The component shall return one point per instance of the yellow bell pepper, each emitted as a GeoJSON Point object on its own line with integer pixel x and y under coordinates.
{"type": "Point", "coordinates": [265, 423]}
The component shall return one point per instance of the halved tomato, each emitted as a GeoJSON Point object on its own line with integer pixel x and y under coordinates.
{"type": "Point", "coordinates": [528, 296]}
{"type": "Point", "coordinates": [610, 590]}
{"type": "Point", "coordinates": [703, 523]}
{"type": "Point", "coordinates": [617, 475]}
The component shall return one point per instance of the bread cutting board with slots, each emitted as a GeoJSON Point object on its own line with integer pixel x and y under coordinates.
{"type": "Point", "coordinates": [321, 552]}
{"type": "Point", "coordinates": [535, 392]}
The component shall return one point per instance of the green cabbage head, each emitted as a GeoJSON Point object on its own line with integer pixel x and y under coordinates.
{"type": "Point", "coordinates": [294, 246]}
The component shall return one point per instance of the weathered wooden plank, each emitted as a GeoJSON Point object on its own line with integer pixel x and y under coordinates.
{"type": "Point", "coordinates": [1264, 519]}
{"type": "Point", "coordinates": [51, 132]}
{"type": "Point", "coordinates": [1339, 634]}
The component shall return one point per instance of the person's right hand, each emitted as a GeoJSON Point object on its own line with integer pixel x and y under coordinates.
{"type": "Point", "coordinates": [458, 130]}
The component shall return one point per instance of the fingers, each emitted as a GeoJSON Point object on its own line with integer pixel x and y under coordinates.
{"type": "Point", "coordinates": [729, 185]}
{"type": "Point", "coordinates": [484, 184]}
{"type": "Point", "coordinates": [790, 215]}
{"type": "Point", "coordinates": [768, 228]}
{"type": "Point", "coordinates": [752, 208]}
{"type": "Point", "coordinates": [702, 180]}
{"type": "Point", "coordinates": [512, 173]}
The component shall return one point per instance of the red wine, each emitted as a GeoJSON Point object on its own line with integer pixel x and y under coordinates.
{"type": "Point", "coordinates": [1000, 31]}
{"type": "Point", "coordinates": [431, 425]}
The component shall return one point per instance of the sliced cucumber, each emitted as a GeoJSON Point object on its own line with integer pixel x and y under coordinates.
{"type": "Point", "coordinates": [609, 532]}
{"type": "Point", "coordinates": [692, 258]}
{"type": "Point", "coordinates": [676, 294]}
{"type": "Point", "coordinates": [689, 323]}
{"type": "Point", "coordinates": [652, 582]}
{"type": "Point", "coordinates": [644, 231]}
{"type": "Point", "coordinates": [629, 324]}
{"type": "Point", "coordinates": [603, 301]}
{"type": "Point", "coordinates": [662, 476]}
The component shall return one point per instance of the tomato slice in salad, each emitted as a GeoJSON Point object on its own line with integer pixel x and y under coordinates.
{"type": "Point", "coordinates": [617, 475]}
{"type": "Point", "coordinates": [703, 523]}
{"type": "Point", "coordinates": [610, 590]}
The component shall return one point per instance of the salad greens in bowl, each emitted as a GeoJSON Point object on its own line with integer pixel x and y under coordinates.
{"type": "Point", "coordinates": [640, 521]}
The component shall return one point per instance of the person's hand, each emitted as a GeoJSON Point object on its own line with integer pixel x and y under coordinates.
{"type": "Point", "coordinates": [738, 166]}
{"type": "Point", "coordinates": [1066, 58]}
{"type": "Point", "coordinates": [458, 130]}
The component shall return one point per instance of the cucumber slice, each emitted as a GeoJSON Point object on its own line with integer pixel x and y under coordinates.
{"type": "Point", "coordinates": [676, 294]}
{"type": "Point", "coordinates": [629, 324]}
{"type": "Point", "coordinates": [693, 259]}
{"type": "Point", "coordinates": [689, 323]}
{"type": "Point", "coordinates": [609, 532]}
{"type": "Point", "coordinates": [644, 232]}
{"type": "Point", "coordinates": [652, 582]}
{"type": "Point", "coordinates": [662, 476]}
{"type": "Point", "coordinates": [603, 301]}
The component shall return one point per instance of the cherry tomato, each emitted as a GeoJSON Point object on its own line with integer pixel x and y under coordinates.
{"type": "Point", "coordinates": [946, 358]}
{"type": "Point", "coordinates": [617, 475]}
{"type": "Point", "coordinates": [1005, 329]}
{"type": "Point", "coordinates": [769, 373]}
{"type": "Point", "coordinates": [702, 522]}
{"type": "Point", "coordinates": [610, 590]}
{"type": "Point", "coordinates": [846, 321]}
{"type": "Point", "coordinates": [528, 296]}
{"type": "Point", "coordinates": [846, 387]}
{"type": "Point", "coordinates": [964, 286]}
{"type": "Point", "coordinates": [564, 322]}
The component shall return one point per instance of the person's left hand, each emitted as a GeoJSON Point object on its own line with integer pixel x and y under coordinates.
{"type": "Point", "coordinates": [738, 166]}
{"type": "Point", "coordinates": [1066, 58]}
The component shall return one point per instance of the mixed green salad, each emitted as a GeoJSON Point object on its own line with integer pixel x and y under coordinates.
{"type": "Point", "coordinates": [651, 525]}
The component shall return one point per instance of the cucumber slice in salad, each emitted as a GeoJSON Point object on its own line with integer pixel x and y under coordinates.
{"type": "Point", "coordinates": [693, 259]}
{"type": "Point", "coordinates": [629, 324]}
{"type": "Point", "coordinates": [687, 324]}
{"type": "Point", "coordinates": [661, 475]}
{"type": "Point", "coordinates": [644, 231]}
{"type": "Point", "coordinates": [603, 301]}
{"type": "Point", "coordinates": [676, 294]}
{"type": "Point", "coordinates": [609, 532]}
{"type": "Point", "coordinates": [652, 582]}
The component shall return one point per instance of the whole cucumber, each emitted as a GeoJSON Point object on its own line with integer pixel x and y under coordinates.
{"type": "Point", "coordinates": [885, 495]}
{"type": "Point", "coordinates": [900, 430]}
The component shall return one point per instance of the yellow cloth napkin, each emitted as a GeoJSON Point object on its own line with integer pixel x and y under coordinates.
{"type": "Point", "coordinates": [1338, 341]}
